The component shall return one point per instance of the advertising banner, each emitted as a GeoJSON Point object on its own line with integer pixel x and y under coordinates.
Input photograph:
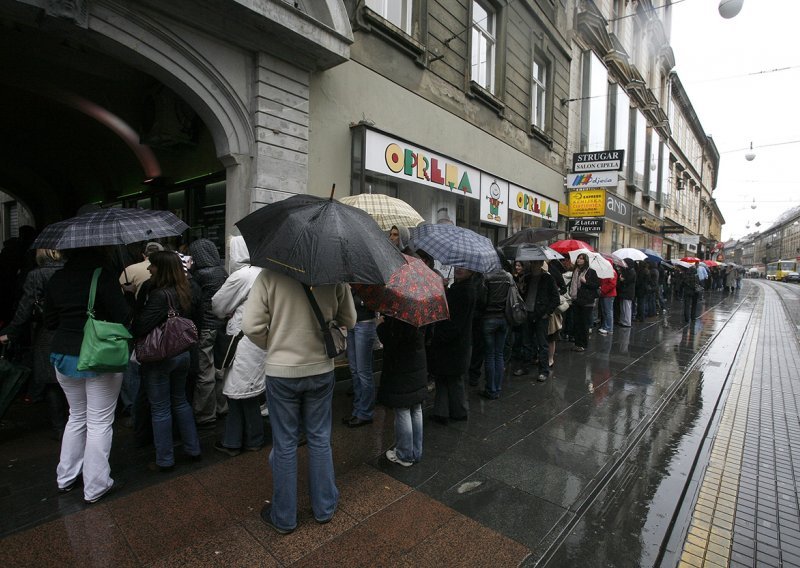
{"type": "Point", "coordinates": [607, 160]}
{"type": "Point", "coordinates": [589, 203]}
{"type": "Point", "coordinates": [530, 203]}
{"type": "Point", "coordinates": [494, 200]}
{"type": "Point", "coordinates": [618, 210]}
{"type": "Point", "coordinates": [592, 179]}
{"type": "Point", "coordinates": [586, 225]}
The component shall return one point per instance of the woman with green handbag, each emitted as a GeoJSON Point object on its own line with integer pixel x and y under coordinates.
{"type": "Point", "coordinates": [83, 286]}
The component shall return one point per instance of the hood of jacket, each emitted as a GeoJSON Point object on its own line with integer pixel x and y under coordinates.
{"type": "Point", "coordinates": [238, 255]}
{"type": "Point", "coordinates": [204, 253]}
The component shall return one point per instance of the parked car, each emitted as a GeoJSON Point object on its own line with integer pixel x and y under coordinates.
{"type": "Point", "coordinates": [792, 277]}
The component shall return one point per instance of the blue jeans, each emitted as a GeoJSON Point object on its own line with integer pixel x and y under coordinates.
{"type": "Point", "coordinates": [166, 389]}
{"type": "Point", "coordinates": [290, 400]}
{"type": "Point", "coordinates": [130, 387]}
{"type": "Point", "coordinates": [494, 341]}
{"type": "Point", "coordinates": [408, 433]}
{"type": "Point", "coordinates": [244, 426]}
{"type": "Point", "coordinates": [607, 307]}
{"type": "Point", "coordinates": [360, 342]}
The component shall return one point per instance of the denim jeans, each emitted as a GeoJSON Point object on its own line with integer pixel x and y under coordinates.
{"type": "Point", "coordinates": [244, 426]}
{"type": "Point", "coordinates": [130, 387]}
{"type": "Point", "coordinates": [291, 400]}
{"type": "Point", "coordinates": [494, 341]}
{"type": "Point", "coordinates": [607, 307]}
{"type": "Point", "coordinates": [408, 433]}
{"type": "Point", "coordinates": [360, 342]}
{"type": "Point", "coordinates": [165, 382]}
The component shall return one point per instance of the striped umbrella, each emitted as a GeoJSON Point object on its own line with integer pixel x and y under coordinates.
{"type": "Point", "coordinates": [387, 211]}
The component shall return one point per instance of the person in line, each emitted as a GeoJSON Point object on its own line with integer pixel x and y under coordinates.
{"type": "Point", "coordinates": [626, 292]}
{"type": "Point", "coordinates": [654, 296]}
{"type": "Point", "coordinates": [520, 347]}
{"type": "Point", "coordinates": [360, 343]}
{"type": "Point", "coordinates": [208, 273]}
{"type": "Point", "coordinates": [691, 290]}
{"type": "Point", "coordinates": [132, 278]}
{"type": "Point", "coordinates": [30, 311]}
{"type": "Point", "coordinates": [494, 329]}
{"type": "Point", "coordinates": [404, 386]}
{"type": "Point", "coordinates": [449, 356]}
{"type": "Point", "coordinates": [244, 379]}
{"type": "Point", "coordinates": [541, 300]}
{"type": "Point", "coordinates": [278, 317]}
{"type": "Point", "coordinates": [584, 289]}
{"type": "Point", "coordinates": [165, 381]}
{"type": "Point", "coordinates": [608, 291]}
{"type": "Point", "coordinates": [554, 326]}
{"type": "Point", "coordinates": [92, 397]}
{"type": "Point", "coordinates": [642, 289]}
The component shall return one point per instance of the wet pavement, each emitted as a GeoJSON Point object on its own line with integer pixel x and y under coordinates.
{"type": "Point", "coordinates": [602, 465]}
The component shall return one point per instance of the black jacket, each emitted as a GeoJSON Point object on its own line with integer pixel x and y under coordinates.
{"type": "Point", "coordinates": [33, 290]}
{"type": "Point", "coordinates": [67, 298]}
{"type": "Point", "coordinates": [547, 298]}
{"type": "Point", "coordinates": [690, 282]}
{"type": "Point", "coordinates": [452, 338]}
{"type": "Point", "coordinates": [495, 293]}
{"type": "Point", "coordinates": [556, 270]}
{"type": "Point", "coordinates": [152, 307]}
{"type": "Point", "coordinates": [643, 285]}
{"type": "Point", "coordinates": [588, 291]}
{"type": "Point", "coordinates": [626, 284]}
{"type": "Point", "coordinates": [209, 274]}
{"type": "Point", "coordinates": [404, 379]}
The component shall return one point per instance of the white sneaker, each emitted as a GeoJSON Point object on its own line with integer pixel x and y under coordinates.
{"type": "Point", "coordinates": [391, 455]}
{"type": "Point", "coordinates": [603, 332]}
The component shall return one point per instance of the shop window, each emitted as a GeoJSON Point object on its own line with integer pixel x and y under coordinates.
{"type": "Point", "coordinates": [619, 120]}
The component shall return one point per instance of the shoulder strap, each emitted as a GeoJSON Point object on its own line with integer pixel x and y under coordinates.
{"type": "Point", "coordinates": [315, 306]}
{"type": "Point", "coordinates": [92, 291]}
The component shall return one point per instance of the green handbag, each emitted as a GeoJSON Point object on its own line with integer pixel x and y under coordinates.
{"type": "Point", "coordinates": [105, 344]}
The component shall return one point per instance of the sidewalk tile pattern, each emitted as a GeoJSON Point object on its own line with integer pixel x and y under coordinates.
{"type": "Point", "coordinates": [747, 511]}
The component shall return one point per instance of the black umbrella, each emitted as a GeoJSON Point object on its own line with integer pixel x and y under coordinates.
{"type": "Point", "coordinates": [114, 226]}
{"type": "Point", "coordinates": [319, 241]}
{"type": "Point", "coordinates": [537, 235]}
{"type": "Point", "coordinates": [528, 252]}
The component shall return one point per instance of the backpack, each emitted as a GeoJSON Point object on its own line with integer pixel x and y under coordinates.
{"type": "Point", "coordinates": [515, 305]}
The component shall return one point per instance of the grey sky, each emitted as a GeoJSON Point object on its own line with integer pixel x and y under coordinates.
{"type": "Point", "coordinates": [714, 57]}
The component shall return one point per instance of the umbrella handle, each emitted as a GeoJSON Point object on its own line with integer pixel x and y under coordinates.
{"type": "Point", "coordinates": [333, 188]}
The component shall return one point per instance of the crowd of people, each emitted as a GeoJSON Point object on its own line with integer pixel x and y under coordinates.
{"type": "Point", "coordinates": [281, 369]}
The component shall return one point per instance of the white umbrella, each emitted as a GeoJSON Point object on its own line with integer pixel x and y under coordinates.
{"type": "Point", "coordinates": [597, 263]}
{"type": "Point", "coordinates": [631, 253]}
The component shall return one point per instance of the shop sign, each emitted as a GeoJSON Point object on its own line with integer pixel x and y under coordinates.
{"type": "Point", "coordinates": [586, 225]}
{"type": "Point", "coordinates": [607, 160]}
{"type": "Point", "coordinates": [563, 209]}
{"type": "Point", "coordinates": [592, 179]}
{"type": "Point", "coordinates": [399, 159]}
{"type": "Point", "coordinates": [589, 203]}
{"type": "Point", "coordinates": [494, 200]}
{"type": "Point", "coordinates": [687, 239]}
{"type": "Point", "coordinates": [618, 210]}
{"type": "Point", "coordinates": [534, 204]}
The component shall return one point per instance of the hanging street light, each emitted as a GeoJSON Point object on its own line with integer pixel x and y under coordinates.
{"type": "Point", "coordinates": [730, 8]}
{"type": "Point", "coordinates": [750, 156]}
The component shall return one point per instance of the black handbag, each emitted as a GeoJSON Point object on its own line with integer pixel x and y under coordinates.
{"type": "Point", "coordinates": [225, 349]}
{"type": "Point", "coordinates": [335, 340]}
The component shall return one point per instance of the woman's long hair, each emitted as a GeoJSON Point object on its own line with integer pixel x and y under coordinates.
{"type": "Point", "coordinates": [169, 274]}
{"type": "Point", "coordinates": [585, 266]}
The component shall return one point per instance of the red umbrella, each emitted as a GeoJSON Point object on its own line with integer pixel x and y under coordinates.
{"type": "Point", "coordinates": [690, 259]}
{"type": "Point", "coordinates": [570, 244]}
{"type": "Point", "coordinates": [414, 294]}
{"type": "Point", "coordinates": [710, 263]}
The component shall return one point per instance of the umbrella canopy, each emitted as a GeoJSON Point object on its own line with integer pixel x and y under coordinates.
{"type": "Point", "coordinates": [682, 264]}
{"type": "Point", "coordinates": [570, 244]}
{"type": "Point", "coordinates": [614, 260]}
{"type": "Point", "coordinates": [530, 235]}
{"type": "Point", "coordinates": [710, 263]}
{"type": "Point", "coordinates": [753, 270]}
{"type": "Point", "coordinates": [414, 294]}
{"type": "Point", "coordinates": [387, 211]}
{"type": "Point", "coordinates": [456, 246]}
{"type": "Point", "coordinates": [535, 252]}
{"type": "Point", "coordinates": [597, 263]}
{"type": "Point", "coordinates": [110, 227]}
{"type": "Point", "coordinates": [632, 253]}
{"type": "Point", "coordinates": [652, 255]}
{"type": "Point", "coordinates": [690, 259]}
{"type": "Point", "coordinates": [319, 241]}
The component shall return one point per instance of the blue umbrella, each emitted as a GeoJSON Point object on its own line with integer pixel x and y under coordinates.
{"type": "Point", "coordinates": [652, 256]}
{"type": "Point", "coordinates": [456, 246]}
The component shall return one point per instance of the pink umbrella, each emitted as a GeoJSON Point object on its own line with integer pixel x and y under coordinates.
{"type": "Point", "coordinates": [710, 263]}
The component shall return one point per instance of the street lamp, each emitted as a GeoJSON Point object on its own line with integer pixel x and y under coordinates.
{"type": "Point", "coordinates": [730, 8]}
{"type": "Point", "coordinates": [750, 156]}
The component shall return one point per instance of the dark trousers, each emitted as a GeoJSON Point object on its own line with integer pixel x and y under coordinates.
{"type": "Point", "coordinates": [538, 333]}
{"type": "Point", "coordinates": [244, 426]}
{"type": "Point", "coordinates": [478, 351]}
{"type": "Point", "coordinates": [582, 320]}
{"type": "Point", "coordinates": [689, 306]}
{"type": "Point", "coordinates": [451, 397]}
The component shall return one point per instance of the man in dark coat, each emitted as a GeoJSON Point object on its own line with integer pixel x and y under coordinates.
{"type": "Point", "coordinates": [208, 273]}
{"type": "Point", "coordinates": [541, 300]}
{"type": "Point", "coordinates": [451, 347]}
{"type": "Point", "coordinates": [691, 292]}
{"type": "Point", "coordinates": [626, 291]}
